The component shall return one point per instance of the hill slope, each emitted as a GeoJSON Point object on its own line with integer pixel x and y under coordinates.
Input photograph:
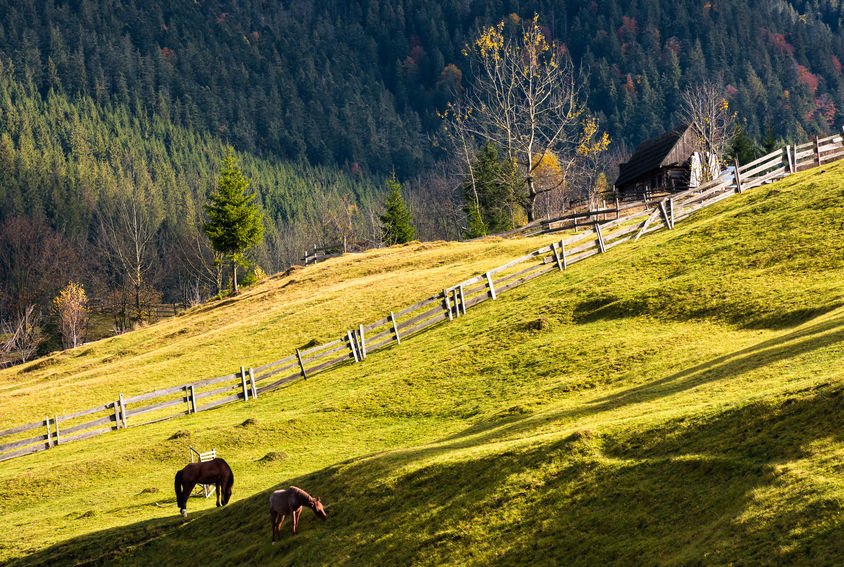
{"type": "Point", "coordinates": [674, 401]}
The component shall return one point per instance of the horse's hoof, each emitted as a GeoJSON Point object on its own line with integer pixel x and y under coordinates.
{"type": "Point", "coordinates": [184, 513]}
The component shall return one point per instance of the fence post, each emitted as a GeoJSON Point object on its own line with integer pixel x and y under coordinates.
{"type": "Point", "coordinates": [301, 364]}
{"type": "Point", "coordinates": [49, 434]}
{"type": "Point", "coordinates": [600, 238]}
{"type": "Point", "coordinates": [462, 299]}
{"type": "Point", "coordinates": [362, 342]}
{"type": "Point", "coordinates": [617, 210]}
{"type": "Point", "coordinates": [563, 253]}
{"type": "Point", "coordinates": [395, 328]}
{"type": "Point", "coordinates": [252, 383]}
{"type": "Point", "coordinates": [243, 383]}
{"type": "Point", "coordinates": [557, 256]}
{"type": "Point", "coordinates": [193, 399]}
{"type": "Point", "coordinates": [817, 151]}
{"type": "Point", "coordinates": [788, 159]}
{"type": "Point", "coordinates": [447, 305]}
{"type": "Point", "coordinates": [491, 286]}
{"type": "Point", "coordinates": [122, 412]}
{"type": "Point", "coordinates": [665, 214]}
{"type": "Point", "coordinates": [455, 293]}
{"type": "Point", "coordinates": [352, 346]}
{"type": "Point", "coordinates": [116, 415]}
{"type": "Point", "coordinates": [738, 177]}
{"type": "Point", "coordinates": [56, 423]}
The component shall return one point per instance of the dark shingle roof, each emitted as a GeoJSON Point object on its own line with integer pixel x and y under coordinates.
{"type": "Point", "coordinates": [649, 155]}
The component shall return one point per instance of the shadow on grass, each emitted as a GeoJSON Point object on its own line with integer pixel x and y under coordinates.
{"type": "Point", "coordinates": [799, 342]}
{"type": "Point", "coordinates": [677, 493]}
{"type": "Point", "coordinates": [607, 306]}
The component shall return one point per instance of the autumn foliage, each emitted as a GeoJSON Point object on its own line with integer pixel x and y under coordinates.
{"type": "Point", "coordinates": [71, 308]}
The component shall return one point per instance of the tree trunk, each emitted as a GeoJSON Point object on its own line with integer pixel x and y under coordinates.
{"type": "Point", "coordinates": [234, 277]}
{"type": "Point", "coordinates": [531, 208]}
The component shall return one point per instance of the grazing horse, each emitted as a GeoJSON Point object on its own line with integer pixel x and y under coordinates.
{"type": "Point", "coordinates": [215, 471]}
{"type": "Point", "coordinates": [290, 501]}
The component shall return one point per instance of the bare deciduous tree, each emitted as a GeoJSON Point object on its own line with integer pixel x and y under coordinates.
{"type": "Point", "coordinates": [705, 107]}
{"type": "Point", "coordinates": [205, 264]}
{"type": "Point", "coordinates": [35, 261]}
{"type": "Point", "coordinates": [24, 335]}
{"type": "Point", "coordinates": [127, 230]}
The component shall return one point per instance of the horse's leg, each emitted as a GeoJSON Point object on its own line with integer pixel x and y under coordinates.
{"type": "Point", "coordinates": [217, 490]}
{"type": "Point", "coordinates": [187, 490]}
{"type": "Point", "coordinates": [273, 518]}
{"type": "Point", "coordinates": [295, 515]}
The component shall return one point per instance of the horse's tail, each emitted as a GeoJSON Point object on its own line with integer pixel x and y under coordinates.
{"type": "Point", "coordinates": [179, 497]}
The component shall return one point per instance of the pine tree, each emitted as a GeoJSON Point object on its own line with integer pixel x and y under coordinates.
{"type": "Point", "coordinates": [397, 219]}
{"type": "Point", "coordinates": [490, 194]}
{"type": "Point", "coordinates": [477, 227]}
{"type": "Point", "coordinates": [234, 223]}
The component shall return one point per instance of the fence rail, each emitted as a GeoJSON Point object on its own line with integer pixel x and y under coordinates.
{"type": "Point", "coordinates": [448, 304]}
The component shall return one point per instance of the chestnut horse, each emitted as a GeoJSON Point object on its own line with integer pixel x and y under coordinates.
{"type": "Point", "coordinates": [215, 471]}
{"type": "Point", "coordinates": [290, 501]}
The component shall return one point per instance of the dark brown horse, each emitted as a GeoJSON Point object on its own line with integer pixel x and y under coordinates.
{"type": "Point", "coordinates": [215, 471]}
{"type": "Point", "coordinates": [290, 501]}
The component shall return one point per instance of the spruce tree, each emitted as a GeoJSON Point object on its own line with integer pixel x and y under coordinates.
{"type": "Point", "coordinates": [489, 194]}
{"type": "Point", "coordinates": [397, 219]}
{"type": "Point", "coordinates": [234, 223]}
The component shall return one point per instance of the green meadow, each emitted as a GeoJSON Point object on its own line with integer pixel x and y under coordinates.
{"type": "Point", "coordinates": [675, 401]}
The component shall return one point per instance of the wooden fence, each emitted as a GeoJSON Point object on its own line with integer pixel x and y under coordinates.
{"type": "Point", "coordinates": [448, 304]}
{"type": "Point", "coordinates": [324, 253]}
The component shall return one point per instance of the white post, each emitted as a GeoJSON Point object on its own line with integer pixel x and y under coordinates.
{"type": "Point", "coordinates": [395, 328]}
{"type": "Point", "coordinates": [352, 346]}
{"type": "Point", "coordinates": [243, 383]}
{"type": "Point", "coordinates": [557, 256]}
{"type": "Point", "coordinates": [491, 286]}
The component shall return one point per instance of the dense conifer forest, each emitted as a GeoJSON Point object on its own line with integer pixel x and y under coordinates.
{"type": "Point", "coordinates": [107, 101]}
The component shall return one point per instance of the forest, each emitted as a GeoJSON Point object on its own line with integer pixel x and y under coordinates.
{"type": "Point", "coordinates": [112, 107]}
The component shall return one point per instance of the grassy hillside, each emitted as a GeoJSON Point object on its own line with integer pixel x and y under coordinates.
{"type": "Point", "coordinates": [679, 400]}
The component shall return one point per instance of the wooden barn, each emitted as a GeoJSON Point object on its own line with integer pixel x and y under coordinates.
{"type": "Point", "coordinates": [659, 165]}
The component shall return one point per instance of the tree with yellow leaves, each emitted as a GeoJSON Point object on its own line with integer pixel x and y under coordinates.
{"type": "Point", "coordinates": [527, 99]}
{"type": "Point", "coordinates": [71, 308]}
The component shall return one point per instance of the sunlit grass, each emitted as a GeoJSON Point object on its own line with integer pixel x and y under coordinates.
{"type": "Point", "coordinates": [674, 401]}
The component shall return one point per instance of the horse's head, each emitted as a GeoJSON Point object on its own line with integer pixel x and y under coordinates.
{"type": "Point", "coordinates": [227, 488]}
{"type": "Point", "coordinates": [316, 506]}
